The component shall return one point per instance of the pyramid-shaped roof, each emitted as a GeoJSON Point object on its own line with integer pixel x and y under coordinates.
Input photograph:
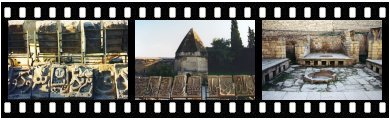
{"type": "Point", "coordinates": [191, 43]}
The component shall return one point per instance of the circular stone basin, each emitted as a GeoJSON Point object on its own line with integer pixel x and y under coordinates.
{"type": "Point", "coordinates": [324, 76]}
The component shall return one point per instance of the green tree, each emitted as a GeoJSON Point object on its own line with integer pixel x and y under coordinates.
{"type": "Point", "coordinates": [161, 70]}
{"type": "Point", "coordinates": [220, 43]}
{"type": "Point", "coordinates": [251, 38]}
{"type": "Point", "coordinates": [235, 37]}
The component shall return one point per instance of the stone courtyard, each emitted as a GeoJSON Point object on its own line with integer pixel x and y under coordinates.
{"type": "Point", "coordinates": [350, 84]}
{"type": "Point", "coordinates": [321, 60]}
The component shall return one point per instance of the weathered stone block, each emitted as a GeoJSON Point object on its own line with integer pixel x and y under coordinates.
{"type": "Point", "coordinates": [244, 85]}
{"type": "Point", "coordinates": [122, 80]}
{"type": "Point", "coordinates": [194, 87]}
{"type": "Point", "coordinates": [19, 83]}
{"type": "Point", "coordinates": [104, 84]}
{"type": "Point", "coordinates": [213, 86]}
{"type": "Point", "coordinates": [81, 83]}
{"type": "Point", "coordinates": [179, 87]}
{"type": "Point", "coordinates": [165, 88]}
{"type": "Point", "coordinates": [60, 82]}
{"type": "Point", "coordinates": [227, 88]}
{"type": "Point", "coordinates": [152, 88]}
{"type": "Point", "coordinates": [41, 78]}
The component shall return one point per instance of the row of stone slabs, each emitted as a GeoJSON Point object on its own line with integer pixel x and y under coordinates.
{"type": "Point", "coordinates": [267, 63]}
{"type": "Point", "coordinates": [360, 95]}
{"type": "Point", "coordinates": [181, 87]}
{"type": "Point", "coordinates": [75, 81]}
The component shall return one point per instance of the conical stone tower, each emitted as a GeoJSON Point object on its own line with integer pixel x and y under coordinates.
{"type": "Point", "coordinates": [191, 56]}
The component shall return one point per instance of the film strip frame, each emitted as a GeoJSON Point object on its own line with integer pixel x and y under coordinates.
{"type": "Point", "coordinates": [199, 108]}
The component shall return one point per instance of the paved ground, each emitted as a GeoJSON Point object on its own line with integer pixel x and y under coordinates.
{"type": "Point", "coordinates": [353, 83]}
{"type": "Point", "coordinates": [361, 95]}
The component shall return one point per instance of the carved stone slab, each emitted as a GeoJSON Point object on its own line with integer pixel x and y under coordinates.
{"type": "Point", "coordinates": [244, 85]}
{"type": "Point", "coordinates": [165, 88]}
{"type": "Point", "coordinates": [213, 86]}
{"type": "Point", "coordinates": [140, 86]}
{"type": "Point", "coordinates": [104, 82]}
{"type": "Point", "coordinates": [81, 83]}
{"type": "Point", "coordinates": [226, 86]}
{"type": "Point", "coordinates": [153, 86]}
{"type": "Point", "coordinates": [41, 78]}
{"type": "Point", "coordinates": [179, 87]}
{"type": "Point", "coordinates": [194, 87]}
{"type": "Point", "coordinates": [59, 85]}
{"type": "Point", "coordinates": [19, 84]}
{"type": "Point", "coordinates": [121, 81]}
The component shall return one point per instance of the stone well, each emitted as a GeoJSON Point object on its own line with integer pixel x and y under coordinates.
{"type": "Point", "coordinates": [323, 76]}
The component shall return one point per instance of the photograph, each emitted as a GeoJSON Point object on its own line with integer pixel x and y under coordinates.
{"type": "Point", "coordinates": [194, 59]}
{"type": "Point", "coordinates": [321, 59]}
{"type": "Point", "coordinates": [67, 59]}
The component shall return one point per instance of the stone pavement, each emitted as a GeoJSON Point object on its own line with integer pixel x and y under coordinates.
{"type": "Point", "coordinates": [347, 80]}
{"type": "Point", "coordinates": [353, 83]}
{"type": "Point", "coordinates": [361, 95]}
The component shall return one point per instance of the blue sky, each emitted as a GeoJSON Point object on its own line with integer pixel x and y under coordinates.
{"type": "Point", "coordinates": [161, 38]}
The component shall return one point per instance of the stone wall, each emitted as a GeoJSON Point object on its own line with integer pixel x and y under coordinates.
{"type": "Point", "coordinates": [326, 44]}
{"type": "Point", "coordinates": [191, 64]}
{"type": "Point", "coordinates": [273, 47]}
{"type": "Point", "coordinates": [320, 25]}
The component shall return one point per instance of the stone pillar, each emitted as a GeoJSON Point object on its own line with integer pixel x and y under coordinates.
{"type": "Point", "coordinates": [351, 46]}
{"type": "Point", "coordinates": [302, 48]}
{"type": "Point", "coordinates": [375, 44]}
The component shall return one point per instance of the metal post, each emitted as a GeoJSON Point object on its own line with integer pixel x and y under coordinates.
{"type": "Point", "coordinates": [105, 45]}
{"type": "Point", "coordinates": [59, 30]}
{"type": "Point", "coordinates": [83, 43]}
{"type": "Point", "coordinates": [103, 39]}
{"type": "Point", "coordinates": [28, 50]}
{"type": "Point", "coordinates": [35, 45]}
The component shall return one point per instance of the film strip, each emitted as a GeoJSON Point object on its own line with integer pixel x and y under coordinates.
{"type": "Point", "coordinates": [51, 75]}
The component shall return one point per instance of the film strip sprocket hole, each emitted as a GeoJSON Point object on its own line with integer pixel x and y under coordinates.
{"type": "Point", "coordinates": [187, 12]}
{"type": "Point", "coordinates": [73, 58]}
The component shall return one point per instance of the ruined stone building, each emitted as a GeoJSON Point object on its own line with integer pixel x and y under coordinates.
{"type": "Point", "coordinates": [320, 43]}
